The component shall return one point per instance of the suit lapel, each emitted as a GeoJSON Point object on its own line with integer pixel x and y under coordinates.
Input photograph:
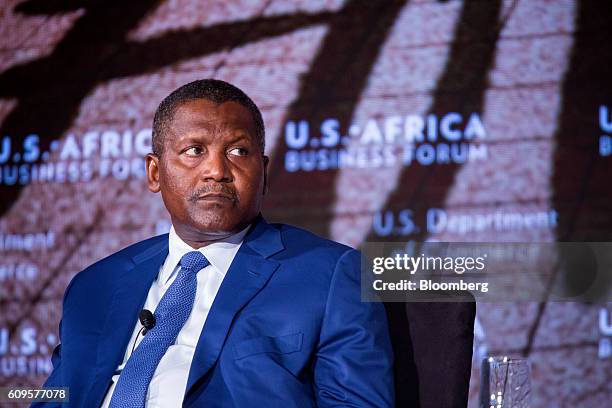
{"type": "Point", "coordinates": [248, 273]}
{"type": "Point", "coordinates": [131, 290]}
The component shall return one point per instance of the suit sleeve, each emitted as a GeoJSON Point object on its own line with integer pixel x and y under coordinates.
{"type": "Point", "coordinates": [56, 378]}
{"type": "Point", "coordinates": [353, 366]}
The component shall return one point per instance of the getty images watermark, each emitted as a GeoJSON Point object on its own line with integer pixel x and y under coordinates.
{"type": "Point", "coordinates": [495, 272]}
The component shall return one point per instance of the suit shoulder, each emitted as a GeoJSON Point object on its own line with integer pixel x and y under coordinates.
{"type": "Point", "coordinates": [127, 253]}
{"type": "Point", "coordinates": [120, 259]}
{"type": "Point", "coordinates": [298, 239]}
{"type": "Point", "coordinates": [316, 262]}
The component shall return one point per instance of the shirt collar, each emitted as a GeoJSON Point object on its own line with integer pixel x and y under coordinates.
{"type": "Point", "coordinates": [220, 254]}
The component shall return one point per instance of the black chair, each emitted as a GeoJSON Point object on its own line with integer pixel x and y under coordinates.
{"type": "Point", "coordinates": [432, 342]}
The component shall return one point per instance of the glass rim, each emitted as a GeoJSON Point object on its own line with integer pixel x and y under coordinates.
{"type": "Point", "coordinates": [505, 359]}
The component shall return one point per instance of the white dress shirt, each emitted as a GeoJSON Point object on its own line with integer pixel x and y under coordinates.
{"type": "Point", "coordinates": [167, 387]}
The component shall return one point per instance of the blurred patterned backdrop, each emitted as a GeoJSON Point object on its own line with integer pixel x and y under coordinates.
{"type": "Point", "coordinates": [485, 120]}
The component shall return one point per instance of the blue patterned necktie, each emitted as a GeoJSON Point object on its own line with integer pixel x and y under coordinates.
{"type": "Point", "coordinates": [170, 316]}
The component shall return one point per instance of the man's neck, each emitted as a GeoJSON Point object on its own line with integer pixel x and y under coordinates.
{"type": "Point", "coordinates": [208, 239]}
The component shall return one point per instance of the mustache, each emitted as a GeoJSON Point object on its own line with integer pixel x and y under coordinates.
{"type": "Point", "coordinates": [213, 188]}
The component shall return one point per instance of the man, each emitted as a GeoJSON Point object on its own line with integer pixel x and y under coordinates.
{"type": "Point", "coordinates": [246, 313]}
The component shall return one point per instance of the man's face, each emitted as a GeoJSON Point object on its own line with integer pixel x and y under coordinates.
{"type": "Point", "coordinates": [211, 172]}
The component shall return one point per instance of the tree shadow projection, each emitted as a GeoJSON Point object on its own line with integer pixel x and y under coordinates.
{"type": "Point", "coordinates": [331, 88]}
{"type": "Point", "coordinates": [582, 191]}
{"type": "Point", "coordinates": [430, 339]}
{"type": "Point", "coordinates": [95, 50]}
{"type": "Point", "coordinates": [581, 188]}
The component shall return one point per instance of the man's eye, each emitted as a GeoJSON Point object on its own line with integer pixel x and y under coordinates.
{"type": "Point", "coordinates": [239, 151]}
{"type": "Point", "coordinates": [193, 151]}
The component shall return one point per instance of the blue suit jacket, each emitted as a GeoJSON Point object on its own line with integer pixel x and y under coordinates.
{"type": "Point", "coordinates": [287, 328]}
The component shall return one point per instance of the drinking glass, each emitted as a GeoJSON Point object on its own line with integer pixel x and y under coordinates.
{"type": "Point", "coordinates": [505, 383]}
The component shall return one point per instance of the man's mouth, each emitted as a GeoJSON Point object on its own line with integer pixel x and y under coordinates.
{"type": "Point", "coordinates": [216, 197]}
{"type": "Point", "coordinates": [209, 193]}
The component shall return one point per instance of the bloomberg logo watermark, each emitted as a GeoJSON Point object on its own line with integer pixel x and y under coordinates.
{"type": "Point", "coordinates": [490, 272]}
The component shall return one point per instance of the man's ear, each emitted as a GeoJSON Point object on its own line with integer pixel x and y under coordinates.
{"type": "Point", "coordinates": [152, 165]}
{"type": "Point", "coordinates": [266, 160]}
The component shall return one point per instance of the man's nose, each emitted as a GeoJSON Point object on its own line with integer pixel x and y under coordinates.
{"type": "Point", "coordinates": [216, 168]}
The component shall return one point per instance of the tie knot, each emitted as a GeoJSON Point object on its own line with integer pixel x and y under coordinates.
{"type": "Point", "coordinates": [194, 261]}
